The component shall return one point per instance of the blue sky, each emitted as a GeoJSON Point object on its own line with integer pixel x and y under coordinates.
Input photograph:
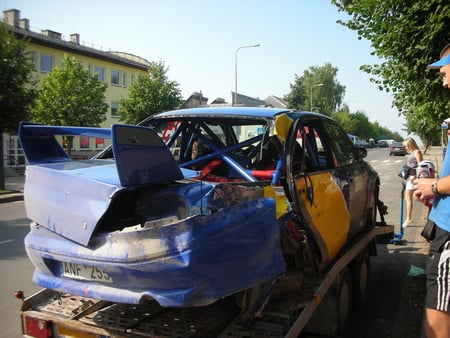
{"type": "Point", "coordinates": [197, 40]}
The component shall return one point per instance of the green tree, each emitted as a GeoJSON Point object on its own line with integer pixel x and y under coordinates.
{"type": "Point", "coordinates": [363, 125]}
{"type": "Point", "coordinates": [70, 96]}
{"type": "Point", "coordinates": [16, 93]}
{"type": "Point", "coordinates": [346, 121]}
{"type": "Point", "coordinates": [150, 94]}
{"type": "Point", "coordinates": [406, 36]}
{"type": "Point", "coordinates": [319, 87]}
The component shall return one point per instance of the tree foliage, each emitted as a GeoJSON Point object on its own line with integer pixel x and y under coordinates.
{"type": "Point", "coordinates": [16, 96]}
{"type": "Point", "coordinates": [317, 89]}
{"type": "Point", "coordinates": [406, 36]}
{"type": "Point", "coordinates": [70, 96]}
{"type": "Point", "coordinates": [150, 94]}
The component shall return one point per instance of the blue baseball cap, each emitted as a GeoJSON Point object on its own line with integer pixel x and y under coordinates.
{"type": "Point", "coordinates": [442, 62]}
{"type": "Point", "coordinates": [445, 59]}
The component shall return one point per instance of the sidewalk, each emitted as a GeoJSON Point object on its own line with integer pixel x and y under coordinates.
{"type": "Point", "coordinates": [15, 184]}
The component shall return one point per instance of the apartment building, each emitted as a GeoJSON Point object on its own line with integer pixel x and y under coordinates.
{"type": "Point", "coordinates": [47, 49]}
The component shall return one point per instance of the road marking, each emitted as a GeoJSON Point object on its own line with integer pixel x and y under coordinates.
{"type": "Point", "coordinates": [7, 241]}
{"type": "Point", "coordinates": [387, 161]}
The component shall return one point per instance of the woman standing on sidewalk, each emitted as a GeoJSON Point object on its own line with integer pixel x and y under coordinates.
{"type": "Point", "coordinates": [414, 158]}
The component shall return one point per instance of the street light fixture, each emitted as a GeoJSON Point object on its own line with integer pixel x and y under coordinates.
{"type": "Point", "coordinates": [317, 85]}
{"type": "Point", "coordinates": [235, 70]}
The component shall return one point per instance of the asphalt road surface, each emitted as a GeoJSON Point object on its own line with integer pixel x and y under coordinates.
{"type": "Point", "coordinates": [16, 269]}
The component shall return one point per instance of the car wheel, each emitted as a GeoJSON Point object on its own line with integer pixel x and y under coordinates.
{"type": "Point", "coordinates": [332, 317]}
{"type": "Point", "coordinates": [344, 300]}
{"type": "Point", "coordinates": [360, 269]}
{"type": "Point", "coordinates": [371, 216]}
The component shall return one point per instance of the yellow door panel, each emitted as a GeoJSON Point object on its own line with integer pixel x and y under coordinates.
{"type": "Point", "coordinates": [322, 202]}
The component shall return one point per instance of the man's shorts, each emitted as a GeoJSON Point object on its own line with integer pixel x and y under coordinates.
{"type": "Point", "coordinates": [438, 272]}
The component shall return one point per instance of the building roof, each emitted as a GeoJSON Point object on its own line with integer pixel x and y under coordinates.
{"type": "Point", "coordinates": [276, 102]}
{"type": "Point", "coordinates": [247, 101]}
{"type": "Point", "coordinates": [20, 27]}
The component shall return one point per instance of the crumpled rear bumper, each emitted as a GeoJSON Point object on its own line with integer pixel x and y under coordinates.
{"type": "Point", "coordinates": [192, 262]}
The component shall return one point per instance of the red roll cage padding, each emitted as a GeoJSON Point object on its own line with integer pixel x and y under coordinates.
{"type": "Point", "coordinates": [262, 174]}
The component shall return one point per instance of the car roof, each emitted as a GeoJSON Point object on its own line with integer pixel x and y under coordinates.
{"type": "Point", "coordinates": [225, 111]}
{"type": "Point", "coordinates": [230, 113]}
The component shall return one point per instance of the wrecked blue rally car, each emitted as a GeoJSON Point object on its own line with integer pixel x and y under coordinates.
{"type": "Point", "coordinates": [194, 205]}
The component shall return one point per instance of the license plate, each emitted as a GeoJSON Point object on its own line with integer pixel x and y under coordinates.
{"type": "Point", "coordinates": [85, 272]}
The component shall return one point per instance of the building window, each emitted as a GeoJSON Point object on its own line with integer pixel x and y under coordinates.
{"type": "Point", "coordinates": [99, 143]}
{"type": "Point", "coordinates": [132, 78]}
{"type": "Point", "coordinates": [114, 109]}
{"type": "Point", "coordinates": [115, 77]}
{"type": "Point", "coordinates": [124, 79]}
{"type": "Point", "coordinates": [33, 60]}
{"type": "Point", "coordinates": [84, 142]}
{"type": "Point", "coordinates": [46, 63]}
{"type": "Point", "coordinates": [100, 71]}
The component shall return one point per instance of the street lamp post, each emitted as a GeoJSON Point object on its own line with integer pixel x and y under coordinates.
{"type": "Point", "coordinates": [317, 85]}
{"type": "Point", "coordinates": [235, 70]}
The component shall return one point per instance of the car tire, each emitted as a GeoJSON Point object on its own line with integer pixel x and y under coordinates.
{"type": "Point", "coordinates": [360, 269]}
{"type": "Point", "coordinates": [344, 300]}
{"type": "Point", "coordinates": [332, 316]}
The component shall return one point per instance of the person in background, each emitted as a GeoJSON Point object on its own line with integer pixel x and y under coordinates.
{"type": "Point", "coordinates": [437, 301]}
{"type": "Point", "coordinates": [415, 156]}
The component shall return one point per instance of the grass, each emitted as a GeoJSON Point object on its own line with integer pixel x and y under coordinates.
{"type": "Point", "coordinates": [6, 191]}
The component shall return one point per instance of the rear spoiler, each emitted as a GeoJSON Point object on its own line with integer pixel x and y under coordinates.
{"type": "Point", "coordinates": [40, 145]}
{"type": "Point", "coordinates": [141, 156]}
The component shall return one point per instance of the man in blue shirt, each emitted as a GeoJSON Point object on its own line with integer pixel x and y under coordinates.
{"type": "Point", "coordinates": [437, 301]}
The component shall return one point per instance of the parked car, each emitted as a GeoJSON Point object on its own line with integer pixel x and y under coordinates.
{"type": "Point", "coordinates": [397, 149]}
{"type": "Point", "coordinates": [194, 205]}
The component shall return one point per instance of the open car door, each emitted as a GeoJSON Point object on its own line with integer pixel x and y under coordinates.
{"type": "Point", "coordinates": [318, 188]}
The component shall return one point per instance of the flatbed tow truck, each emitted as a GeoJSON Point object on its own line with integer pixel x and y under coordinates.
{"type": "Point", "coordinates": [48, 313]}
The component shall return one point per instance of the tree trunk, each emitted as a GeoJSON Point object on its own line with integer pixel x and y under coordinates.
{"type": "Point", "coordinates": [2, 169]}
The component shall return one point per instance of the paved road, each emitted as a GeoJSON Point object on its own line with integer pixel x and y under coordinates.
{"type": "Point", "coordinates": [15, 268]}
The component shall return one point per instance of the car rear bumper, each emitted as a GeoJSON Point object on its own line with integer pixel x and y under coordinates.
{"type": "Point", "coordinates": [189, 263]}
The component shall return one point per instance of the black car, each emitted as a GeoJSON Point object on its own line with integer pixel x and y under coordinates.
{"type": "Point", "coordinates": [397, 148]}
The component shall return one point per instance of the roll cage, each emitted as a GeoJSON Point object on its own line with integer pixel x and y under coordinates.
{"type": "Point", "coordinates": [220, 142]}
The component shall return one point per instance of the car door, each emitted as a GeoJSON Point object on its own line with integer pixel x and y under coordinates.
{"type": "Point", "coordinates": [319, 188]}
{"type": "Point", "coordinates": [347, 159]}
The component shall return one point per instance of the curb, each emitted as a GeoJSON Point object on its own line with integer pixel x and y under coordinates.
{"type": "Point", "coordinates": [11, 197]}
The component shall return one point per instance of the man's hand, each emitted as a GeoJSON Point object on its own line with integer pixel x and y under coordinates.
{"type": "Point", "coordinates": [422, 189]}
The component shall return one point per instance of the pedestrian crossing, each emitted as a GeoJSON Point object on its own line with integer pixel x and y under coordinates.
{"type": "Point", "coordinates": [387, 161]}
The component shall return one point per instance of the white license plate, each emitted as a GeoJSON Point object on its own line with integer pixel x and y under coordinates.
{"type": "Point", "coordinates": [85, 272]}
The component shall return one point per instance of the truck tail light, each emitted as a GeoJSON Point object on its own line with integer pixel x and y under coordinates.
{"type": "Point", "coordinates": [37, 328]}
